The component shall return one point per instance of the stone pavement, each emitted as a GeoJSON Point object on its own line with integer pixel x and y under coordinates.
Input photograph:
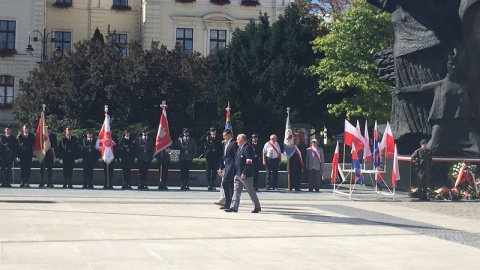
{"type": "Point", "coordinates": [115, 229]}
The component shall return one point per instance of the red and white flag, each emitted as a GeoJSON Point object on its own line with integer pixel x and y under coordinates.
{"type": "Point", "coordinates": [42, 141]}
{"type": "Point", "coordinates": [395, 171]}
{"type": "Point", "coordinates": [367, 153]}
{"type": "Point", "coordinates": [163, 139]}
{"type": "Point", "coordinates": [105, 142]}
{"type": "Point", "coordinates": [387, 144]}
{"type": "Point", "coordinates": [334, 174]}
{"type": "Point", "coordinates": [352, 136]}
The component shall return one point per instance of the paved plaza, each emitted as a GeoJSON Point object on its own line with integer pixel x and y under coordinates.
{"type": "Point", "coordinates": [115, 229]}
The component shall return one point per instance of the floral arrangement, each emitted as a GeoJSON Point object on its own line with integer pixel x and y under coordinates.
{"type": "Point", "coordinates": [462, 175]}
{"type": "Point", "coordinates": [448, 194]}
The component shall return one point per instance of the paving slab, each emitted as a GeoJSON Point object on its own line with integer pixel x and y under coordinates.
{"type": "Point", "coordinates": [118, 229]}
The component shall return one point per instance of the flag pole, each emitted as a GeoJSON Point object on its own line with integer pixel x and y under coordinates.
{"type": "Point", "coordinates": [288, 159]}
{"type": "Point", "coordinates": [163, 106]}
{"type": "Point", "coordinates": [42, 142]}
{"type": "Point", "coordinates": [108, 169]}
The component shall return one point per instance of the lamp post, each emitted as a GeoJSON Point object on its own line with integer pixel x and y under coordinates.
{"type": "Point", "coordinates": [43, 39]}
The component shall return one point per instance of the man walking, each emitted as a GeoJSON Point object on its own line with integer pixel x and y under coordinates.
{"type": "Point", "coordinates": [227, 166]}
{"type": "Point", "coordinates": [243, 175]}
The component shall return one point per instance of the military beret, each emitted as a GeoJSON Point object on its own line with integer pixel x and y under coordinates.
{"type": "Point", "coordinates": [7, 126]}
{"type": "Point", "coordinates": [423, 141]}
{"type": "Point", "coordinates": [185, 130]}
{"type": "Point", "coordinates": [254, 135]}
{"type": "Point", "coordinates": [213, 129]}
{"type": "Point", "coordinates": [144, 129]}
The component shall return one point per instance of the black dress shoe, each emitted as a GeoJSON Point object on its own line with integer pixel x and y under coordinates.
{"type": "Point", "coordinates": [214, 188]}
{"type": "Point", "coordinates": [183, 188]}
{"type": "Point", "coordinates": [256, 189]}
{"type": "Point", "coordinates": [64, 186]}
{"type": "Point", "coordinates": [105, 187]}
{"type": "Point", "coordinates": [110, 187]}
{"type": "Point", "coordinates": [3, 185]}
{"type": "Point", "coordinates": [187, 188]}
{"type": "Point", "coordinates": [41, 185]}
{"type": "Point", "coordinates": [268, 188]}
{"type": "Point", "coordinates": [8, 185]}
{"type": "Point", "coordinates": [22, 185]}
{"type": "Point", "coordinates": [317, 190]}
{"type": "Point", "coordinates": [124, 187]}
{"type": "Point", "coordinates": [129, 187]}
{"type": "Point", "coordinates": [222, 208]}
{"type": "Point", "coordinates": [90, 187]}
{"type": "Point", "coordinates": [27, 185]}
{"type": "Point", "coordinates": [210, 188]}
{"type": "Point", "coordinates": [70, 186]}
{"type": "Point", "coordinates": [50, 186]}
{"type": "Point", "coordinates": [84, 186]}
{"type": "Point", "coordinates": [231, 210]}
{"type": "Point", "coordinates": [297, 189]}
{"type": "Point", "coordinates": [256, 210]}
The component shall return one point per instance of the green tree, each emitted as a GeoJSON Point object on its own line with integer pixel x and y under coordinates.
{"type": "Point", "coordinates": [348, 70]}
{"type": "Point", "coordinates": [76, 87]}
{"type": "Point", "coordinates": [263, 71]}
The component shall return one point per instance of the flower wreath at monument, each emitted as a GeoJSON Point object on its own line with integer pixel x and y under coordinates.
{"type": "Point", "coordinates": [462, 175]}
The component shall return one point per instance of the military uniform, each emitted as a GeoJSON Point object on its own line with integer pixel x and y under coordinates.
{"type": "Point", "coordinates": [48, 161]}
{"type": "Point", "coordinates": [25, 153]}
{"type": "Point", "coordinates": [145, 147]}
{"type": "Point", "coordinates": [90, 158]}
{"type": "Point", "coordinates": [69, 150]}
{"type": "Point", "coordinates": [213, 154]}
{"type": "Point", "coordinates": [127, 155]}
{"type": "Point", "coordinates": [257, 162]}
{"type": "Point", "coordinates": [8, 152]}
{"type": "Point", "coordinates": [188, 149]}
{"type": "Point", "coordinates": [422, 159]}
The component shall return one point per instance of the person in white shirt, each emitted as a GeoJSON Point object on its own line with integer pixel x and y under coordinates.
{"type": "Point", "coordinates": [271, 161]}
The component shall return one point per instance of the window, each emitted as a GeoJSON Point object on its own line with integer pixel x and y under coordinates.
{"type": "Point", "coordinates": [6, 91]}
{"type": "Point", "coordinates": [7, 35]}
{"type": "Point", "coordinates": [63, 3]}
{"type": "Point", "coordinates": [218, 40]}
{"type": "Point", "coordinates": [185, 39]}
{"type": "Point", "coordinates": [63, 41]}
{"type": "Point", "coordinates": [121, 40]}
{"type": "Point", "coordinates": [120, 3]}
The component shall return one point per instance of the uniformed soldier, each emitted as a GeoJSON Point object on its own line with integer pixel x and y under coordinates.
{"type": "Point", "coordinates": [422, 159]}
{"type": "Point", "coordinates": [188, 149]}
{"type": "Point", "coordinates": [90, 157]}
{"type": "Point", "coordinates": [26, 141]}
{"type": "Point", "coordinates": [213, 153]}
{"type": "Point", "coordinates": [163, 159]}
{"type": "Point", "coordinates": [257, 162]}
{"type": "Point", "coordinates": [68, 149]}
{"type": "Point", "coordinates": [8, 152]}
{"type": "Point", "coordinates": [49, 160]}
{"type": "Point", "coordinates": [145, 147]}
{"type": "Point", "coordinates": [127, 155]}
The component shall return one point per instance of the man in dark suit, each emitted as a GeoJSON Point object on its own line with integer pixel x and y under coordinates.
{"type": "Point", "coordinates": [49, 160]}
{"type": "Point", "coordinates": [90, 157]}
{"type": "Point", "coordinates": [26, 141]}
{"type": "Point", "coordinates": [296, 167]}
{"type": "Point", "coordinates": [127, 155]}
{"type": "Point", "coordinates": [8, 152]}
{"type": "Point", "coordinates": [257, 155]}
{"type": "Point", "coordinates": [227, 166]}
{"type": "Point", "coordinates": [213, 152]}
{"type": "Point", "coordinates": [68, 149]}
{"type": "Point", "coordinates": [188, 149]}
{"type": "Point", "coordinates": [145, 148]}
{"type": "Point", "coordinates": [243, 175]}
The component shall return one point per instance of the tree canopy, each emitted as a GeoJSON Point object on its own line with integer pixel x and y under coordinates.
{"type": "Point", "coordinates": [348, 68]}
{"type": "Point", "coordinates": [76, 87]}
{"type": "Point", "coordinates": [263, 71]}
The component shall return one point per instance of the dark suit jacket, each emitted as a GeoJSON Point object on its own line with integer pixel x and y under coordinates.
{"type": "Point", "coordinates": [144, 148]}
{"type": "Point", "coordinates": [53, 145]}
{"type": "Point", "coordinates": [87, 149]}
{"type": "Point", "coordinates": [8, 148]}
{"type": "Point", "coordinates": [68, 148]}
{"type": "Point", "coordinates": [243, 161]}
{"type": "Point", "coordinates": [228, 161]}
{"type": "Point", "coordinates": [127, 148]}
{"type": "Point", "coordinates": [25, 145]}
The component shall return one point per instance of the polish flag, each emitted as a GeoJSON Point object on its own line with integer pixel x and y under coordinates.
{"type": "Point", "coordinates": [105, 142]}
{"type": "Point", "coordinates": [395, 171]}
{"type": "Point", "coordinates": [163, 139]}
{"type": "Point", "coordinates": [352, 136]}
{"type": "Point", "coordinates": [388, 142]}
{"type": "Point", "coordinates": [367, 153]}
{"type": "Point", "coordinates": [42, 141]}
{"type": "Point", "coordinates": [334, 174]}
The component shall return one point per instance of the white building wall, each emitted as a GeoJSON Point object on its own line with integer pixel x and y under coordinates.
{"type": "Point", "coordinates": [29, 15]}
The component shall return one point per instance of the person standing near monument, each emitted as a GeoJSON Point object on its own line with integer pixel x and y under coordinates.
{"type": "Point", "coordinates": [314, 161]}
{"type": "Point", "coordinates": [145, 147]}
{"type": "Point", "coordinates": [8, 153]}
{"type": "Point", "coordinates": [188, 149]}
{"type": "Point", "coordinates": [422, 159]}
{"type": "Point", "coordinates": [68, 153]}
{"type": "Point", "coordinates": [127, 156]}
{"type": "Point", "coordinates": [49, 160]}
{"type": "Point", "coordinates": [213, 153]}
{"type": "Point", "coordinates": [90, 157]}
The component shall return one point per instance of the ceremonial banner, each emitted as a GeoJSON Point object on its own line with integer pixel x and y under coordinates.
{"type": "Point", "coordinates": [42, 141]}
{"type": "Point", "coordinates": [163, 139]}
{"type": "Point", "coordinates": [228, 123]}
{"type": "Point", "coordinates": [105, 142]}
{"type": "Point", "coordinates": [288, 142]}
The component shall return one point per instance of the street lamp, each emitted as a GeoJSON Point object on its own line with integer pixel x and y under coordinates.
{"type": "Point", "coordinates": [43, 38]}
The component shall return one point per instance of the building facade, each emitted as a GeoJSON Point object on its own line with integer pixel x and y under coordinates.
{"type": "Point", "coordinates": [34, 30]}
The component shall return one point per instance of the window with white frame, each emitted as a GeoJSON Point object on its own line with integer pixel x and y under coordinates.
{"type": "Point", "coordinates": [184, 38]}
{"type": "Point", "coordinates": [6, 91]}
{"type": "Point", "coordinates": [218, 40]}
{"type": "Point", "coordinates": [122, 42]}
{"type": "Point", "coordinates": [63, 41]}
{"type": "Point", "coordinates": [7, 34]}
